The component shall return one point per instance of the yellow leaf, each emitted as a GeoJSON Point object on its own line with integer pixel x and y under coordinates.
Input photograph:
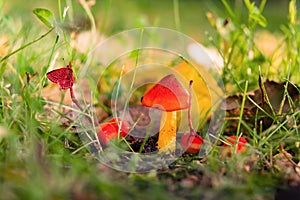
{"type": "Point", "coordinates": [205, 87]}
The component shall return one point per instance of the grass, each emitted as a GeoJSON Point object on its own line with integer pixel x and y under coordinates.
{"type": "Point", "coordinates": [37, 159]}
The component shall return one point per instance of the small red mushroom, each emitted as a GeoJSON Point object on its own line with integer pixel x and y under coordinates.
{"type": "Point", "coordinates": [106, 133]}
{"type": "Point", "coordinates": [191, 143]}
{"type": "Point", "coordinates": [110, 130]}
{"type": "Point", "coordinates": [121, 124]}
{"type": "Point", "coordinates": [241, 146]}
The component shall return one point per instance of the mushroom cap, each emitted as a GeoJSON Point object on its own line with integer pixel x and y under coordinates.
{"type": "Point", "coordinates": [167, 95]}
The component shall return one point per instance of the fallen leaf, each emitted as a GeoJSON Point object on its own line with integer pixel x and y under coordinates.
{"type": "Point", "coordinates": [275, 93]}
{"type": "Point", "coordinates": [206, 89]}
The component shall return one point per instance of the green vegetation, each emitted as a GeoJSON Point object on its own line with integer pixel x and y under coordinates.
{"type": "Point", "coordinates": [42, 157]}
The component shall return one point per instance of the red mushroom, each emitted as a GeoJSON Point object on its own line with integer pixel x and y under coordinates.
{"type": "Point", "coordinates": [240, 142]}
{"type": "Point", "coordinates": [191, 143]}
{"type": "Point", "coordinates": [120, 125]}
{"type": "Point", "coordinates": [112, 129]}
{"type": "Point", "coordinates": [167, 95]}
{"type": "Point", "coordinates": [106, 133]}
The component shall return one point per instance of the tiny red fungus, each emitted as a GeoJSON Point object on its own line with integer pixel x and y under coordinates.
{"type": "Point", "coordinates": [110, 130]}
{"type": "Point", "coordinates": [241, 146]}
{"type": "Point", "coordinates": [167, 95]}
{"type": "Point", "coordinates": [191, 143]}
{"type": "Point", "coordinates": [106, 133]}
{"type": "Point", "coordinates": [121, 124]}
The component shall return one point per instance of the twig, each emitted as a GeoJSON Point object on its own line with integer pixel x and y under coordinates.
{"type": "Point", "coordinates": [287, 157]}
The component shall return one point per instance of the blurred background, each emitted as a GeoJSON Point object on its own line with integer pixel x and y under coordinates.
{"type": "Point", "coordinates": [113, 16]}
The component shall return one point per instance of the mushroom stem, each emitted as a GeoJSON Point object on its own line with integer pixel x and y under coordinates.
{"type": "Point", "coordinates": [192, 130]}
{"type": "Point", "coordinates": [167, 134]}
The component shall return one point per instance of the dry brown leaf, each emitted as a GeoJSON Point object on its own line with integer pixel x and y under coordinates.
{"type": "Point", "coordinates": [274, 92]}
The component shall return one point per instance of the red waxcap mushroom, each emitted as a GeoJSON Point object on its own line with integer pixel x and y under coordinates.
{"type": "Point", "coordinates": [191, 143]}
{"type": "Point", "coordinates": [120, 125]}
{"type": "Point", "coordinates": [168, 95]}
{"type": "Point", "coordinates": [106, 133]}
{"type": "Point", "coordinates": [241, 146]}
